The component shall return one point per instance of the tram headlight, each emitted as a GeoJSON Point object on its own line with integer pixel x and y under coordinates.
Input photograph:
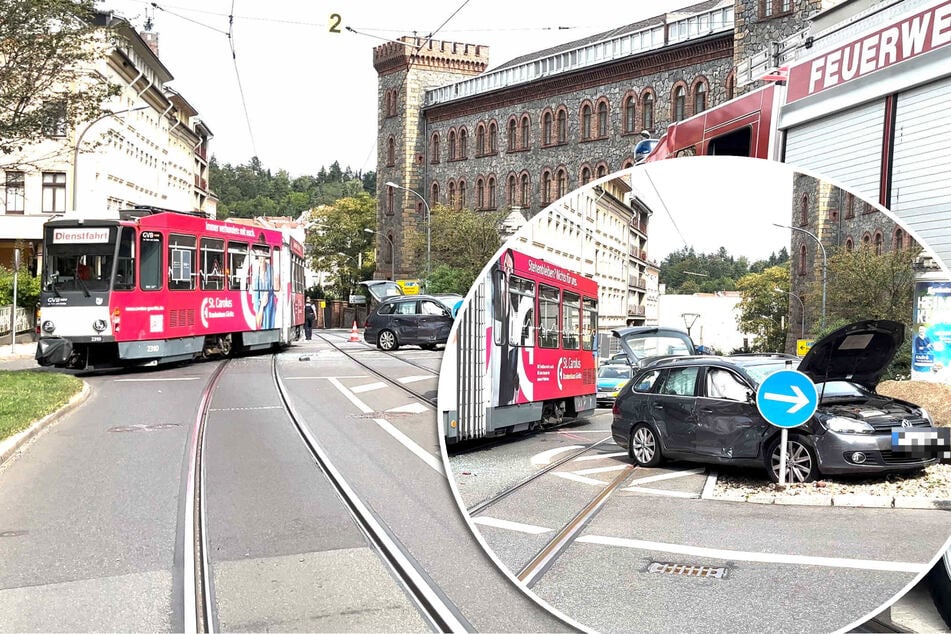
{"type": "Point", "coordinates": [48, 326]}
{"type": "Point", "coordinates": [99, 325]}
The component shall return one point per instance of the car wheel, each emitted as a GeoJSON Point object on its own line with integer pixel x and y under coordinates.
{"type": "Point", "coordinates": [939, 584]}
{"type": "Point", "coordinates": [387, 340]}
{"type": "Point", "coordinates": [801, 463]}
{"type": "Point", "coordinates": [643, 448]}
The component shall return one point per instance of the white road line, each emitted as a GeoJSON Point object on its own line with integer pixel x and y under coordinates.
{"type": "Point", "coordinates": [546, 456]}
{"type": "Point", "coordinates": [512, 526]}
{"type": "Point", "coordinates": [709, 485]}
{"type": "Point", "coordinates": [414, 379]}
{"type": "Point", "coordinates": [184, 378]}
{"type": "Point", "coordinates": [767, 558]}
{"type": "Point", "coordinates": [407, 442]}
{"type": "Point", "coordinates": [336, 376]}
{"type": "Point", "coordinates": [567, 475]}
{"type": "Point", "coordinates": [600, 455]}
{"type": "Point", "coordinates": [667, 476]}
{"type": "Point", "coordinates": [664, 492]}
{"type": "Point", "coordinates": [616, 467]}
{"type": "Point", "coordinates": [411, 408]}
{"type": "Point", "coordinates": [368, 387]}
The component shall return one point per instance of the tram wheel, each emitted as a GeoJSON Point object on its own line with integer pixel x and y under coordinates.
{"type": "Point", "coordinates": [553, 414]}
{"type": "Point", "coordinates": [224, 345]}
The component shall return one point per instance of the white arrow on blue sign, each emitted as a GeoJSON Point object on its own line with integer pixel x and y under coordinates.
{"type": "Point", "coordinates": [787, 398]}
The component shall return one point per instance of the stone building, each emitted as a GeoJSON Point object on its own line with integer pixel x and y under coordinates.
{"type": "Point", "coordinates": [152, 151]}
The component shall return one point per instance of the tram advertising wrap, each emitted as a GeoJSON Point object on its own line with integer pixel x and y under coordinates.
{"type": "Point", "coordinates": [522, 351]}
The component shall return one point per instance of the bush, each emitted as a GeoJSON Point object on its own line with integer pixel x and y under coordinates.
{"type": "Point", "coordinates": [28, 288]}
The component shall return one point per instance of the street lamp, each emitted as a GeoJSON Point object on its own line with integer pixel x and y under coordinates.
{"type": "Point", "coordinates": [79, 142]}
{"type": "Point", "coordinates": [429, 225]}
{"type": "Point", "coordinates": [824, 270]}
{"type": "Point", "coordinates": [802, 326]}
{"type": "Point", "coordinates": [392, 253]}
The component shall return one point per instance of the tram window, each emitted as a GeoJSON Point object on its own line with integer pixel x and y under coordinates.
{"type": "Point", "coordinates": [150, 265]}
{"type": "Point", "coordinates": [125, 265]}
{"type": "Point", "coordinates": [237, 265]}
{"type": "Point", "coordinates": [181, 259]}
{"type": "Point", "coordinates": [521, 311]}
{"type": "Point", "coordinates": [547, 317]}
{"type": "Point", "coordinates": [590, 323]}
{"type": "Point", "coordinates": [212, 271]}
{"type": "Point", "coordinates": [571, 322]}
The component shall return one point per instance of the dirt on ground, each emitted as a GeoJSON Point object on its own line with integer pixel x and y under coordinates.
{"type": "Point", "coordinates": [934, 397]}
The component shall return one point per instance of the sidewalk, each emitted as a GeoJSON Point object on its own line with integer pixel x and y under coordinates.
{"type": "Point", "coordinates": [20, 356]}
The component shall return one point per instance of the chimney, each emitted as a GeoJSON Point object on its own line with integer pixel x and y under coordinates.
{"type": "Point", "coordinates": [151, 39]}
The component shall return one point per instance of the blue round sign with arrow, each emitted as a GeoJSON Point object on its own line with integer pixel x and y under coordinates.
{"type": "Point", "coordinates": [787, 398]}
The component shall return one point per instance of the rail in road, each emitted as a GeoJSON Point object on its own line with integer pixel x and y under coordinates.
{"type": "Point", "coordinates": [199, 593]}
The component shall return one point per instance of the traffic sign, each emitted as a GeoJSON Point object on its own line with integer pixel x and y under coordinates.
{"type": "Point", "coordinates": [787, 398]}
{"type": "Point", "coordinates": [803, 346]}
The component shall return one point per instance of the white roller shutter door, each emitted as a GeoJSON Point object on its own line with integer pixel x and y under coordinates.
{"type": "Point", "coordinates": [845, 148]}
{"type": "Point", "coordinates": [921, 169]}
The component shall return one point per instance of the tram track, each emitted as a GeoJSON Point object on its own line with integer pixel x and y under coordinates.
{"type": "Point", "coordinates": [199, 606]}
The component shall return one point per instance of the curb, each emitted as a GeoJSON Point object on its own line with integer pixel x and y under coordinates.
{"type": "Point", "coordinates": [9, 446]}
{"type": "Point", "coordinates": [841, 500]}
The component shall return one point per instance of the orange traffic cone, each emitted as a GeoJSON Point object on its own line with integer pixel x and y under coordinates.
{"type": "Point", "coordinates": [354, 335]}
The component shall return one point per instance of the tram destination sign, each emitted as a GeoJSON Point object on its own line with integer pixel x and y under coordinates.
{"type": "Point", "coordinates": [80, 236]}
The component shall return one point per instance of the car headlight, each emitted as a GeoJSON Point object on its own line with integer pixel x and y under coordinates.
{"type": "Point", "coordinates": [924, 414]}
{"type": "Point", "coordinates": [847, 426]}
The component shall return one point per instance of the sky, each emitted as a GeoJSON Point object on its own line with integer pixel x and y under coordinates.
{"type": "Point", "coordinates": [301, 97]}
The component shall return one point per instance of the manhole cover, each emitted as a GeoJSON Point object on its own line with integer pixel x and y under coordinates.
{"type": "Point", "coordinates": [685, 570]}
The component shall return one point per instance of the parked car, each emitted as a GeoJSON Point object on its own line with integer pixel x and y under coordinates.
{"type": "Point", "coordinates": [420, 320]}
{"type": "Point", "coordinates": [702, 408]}
{"type": "Point", "coordinates": [611, 378]}
{"type": "Point", "coordinates": [645, 344]}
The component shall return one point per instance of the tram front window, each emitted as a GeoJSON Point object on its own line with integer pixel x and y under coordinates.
{"type": "Point", "coordinates": [83, 268]}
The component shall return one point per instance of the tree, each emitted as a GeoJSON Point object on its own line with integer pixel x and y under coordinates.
{"type": "Point", "coordinates": [762, 309]}
{"type": "Point", "coordinates": [49, 81]}
{"type": "Point", "coordinates": [337, 241]}
{"type": "Point", "coordinates": [462, 243]}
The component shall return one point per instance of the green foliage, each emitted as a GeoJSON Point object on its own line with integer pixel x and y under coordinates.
{"type": "Point", "coordinates": [762, 308]}
{"type": "Point", "coordinates": [686, 272]}
{"type": "Point", "coordinates": [250, 190]}
{"type": "Point", "coordinates": [28, 288]}
{"type": "Point", "coordinates": [338, 241]}
{"type": "Point", "coordinates": [48, 78]}
{"type": "Point", "coordinates": [463, 241]}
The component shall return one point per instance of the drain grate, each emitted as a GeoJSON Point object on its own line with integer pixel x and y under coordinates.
{"type": "Point", "coordinates": [685, 570]}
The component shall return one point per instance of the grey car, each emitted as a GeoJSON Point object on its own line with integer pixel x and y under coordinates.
{"type": "Point", "coordinates": [702, 408]}
{"type": "Point", "coordinates": [420, 320]}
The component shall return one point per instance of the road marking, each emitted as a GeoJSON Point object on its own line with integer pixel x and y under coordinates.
{"type": "Point", "coordinates": [768, 558]}
{"type": "Point", "coordinates": [412, 408]}
{"type": "Point", "coordinates": [546, 456]}
{"type": "Point", "coordinates": [427, 457]}
{"type": "Point", "coordinates": [710, 485]}
{"type": "Point", "coordinates": [616, 467]}
{"type": "Point", "coordinates": [512, 526]}
{"type": "Point", "coordinates": [368, 387]}
{"type": "Point", "coordinates": [413, 379]}
{"type": "Point", "coordinates": [601, 455]}
{"type": "Point", "coordinates": [336, 376]}
{"type": "Point", "coordinates": [667, 476]}
{"type": "Point", "coordinates": [664, 492]}
{"type": "Point", "coordinates": [567, 475]}
{"type": "Point", "coordinates": [184, 378]}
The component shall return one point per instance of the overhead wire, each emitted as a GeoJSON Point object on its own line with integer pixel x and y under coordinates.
{"type": "Point", "coordinates": [234, 59]}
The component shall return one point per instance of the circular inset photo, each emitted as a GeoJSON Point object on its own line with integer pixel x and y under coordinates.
{"type": "Point", "coordinates": [705, 394]}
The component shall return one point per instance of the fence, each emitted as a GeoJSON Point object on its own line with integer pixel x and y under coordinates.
{"type": "Point", "coordinates": [24, 319]}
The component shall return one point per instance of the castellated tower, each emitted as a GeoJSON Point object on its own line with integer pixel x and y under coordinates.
{"type": "Point", "coordinates": [407, 69]}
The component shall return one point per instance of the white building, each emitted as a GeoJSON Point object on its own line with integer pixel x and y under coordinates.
{"type": "Point", "coordinates": [152, 151]}
{"type": "Point", "coordinates": [711, 318]}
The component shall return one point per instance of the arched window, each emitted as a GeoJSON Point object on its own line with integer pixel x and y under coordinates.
{"type": "Point", "coordinates": [480, 140]}
{"type": "Point", "coordinates": [390, 204]}
{"type": "Point", "coordinates": [513, 133]}
{"type": "Point", "coordinates": [434, 150]}
{"type": "Point", "coordinates": [878, 241]}
{"type": "Point", "coordinates": [451, 142]}
{"type": "Point", "coordinates": [647, 110]}
{"type": "Point", "coordinates": [493, 137]}
{"type": "Point", "coordinates": [730, 85]}
{"type": "Point", "coordinates": [561, 179]}
{"type": "Point", "coordinates": [462, 195]}
{"type": "Point", "coordinates": [386, 103]}
{"type": "Point", "coordinates": [451, 195]}
{"type": "Point", "coordinates": [700, 96]}
{"type": "Point", "coordinates": [602, 120]}
{"type": "Point", "coordinates": [390, 151]}
{"type": "Point", "coordinates": [630, 114]}
{"type": "Point", "coordinates": [463, 143]}
{"type": "Point", "coordinates": [849, 206]}
{"type": "Point", "coordinates": [899, 239]}
{"type": "Point", "coordinates": [679, 104]}
{"type": "Point", "coordinates": [512, 190]}
{"type": "Point", "coordinates": [804, 210]}
{"type": "Point", "coordinates": [802, 259]}
{"type": "Point", "coordinates": [585, 176]}
{"type": "Point", "coordinates": [490, 195]}
{"type": "Point", "coordinates": [562, 127]}
{"type": "Point", "coordinates": [525, 126]}
{"type": "Point", "coordinates": [480, 193]}
{"type": "Point", "coordinates": [848, 244]}
{"type": "Point", "coordinates": [546, 187]}
{"type": "Point", "coordinates": [525, 191]}
{"type": "Point", "coordinates": [546, 129]}
{"type": "Point", "coordinates": [434, 194]}
{"type": "Point", "coordinates": [586, 121]}
{"type": "Point", "coordinates": [602, 170]}
{"type": "Point", "coordinates": [866, 241]}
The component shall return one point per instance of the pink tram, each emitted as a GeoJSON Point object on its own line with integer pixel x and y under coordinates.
{"type": "Point", "coordinates": [522, 351]}
{"type": "Point", "coordinates": [155, 286]}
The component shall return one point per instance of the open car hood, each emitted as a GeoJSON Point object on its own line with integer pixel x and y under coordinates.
{"type": "Point", "coordinates": [859, 352]}
{"type": "Point", "coordinates": [644, 343]}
